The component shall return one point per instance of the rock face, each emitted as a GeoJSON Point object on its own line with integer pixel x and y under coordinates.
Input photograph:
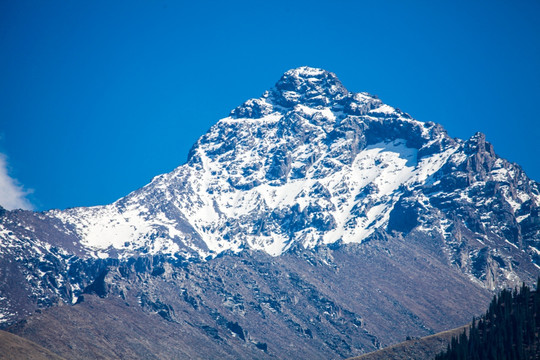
{"type": "Point", "coordinates": [306, 184]}
{"type": "Point", "coordinates": [313, 304]}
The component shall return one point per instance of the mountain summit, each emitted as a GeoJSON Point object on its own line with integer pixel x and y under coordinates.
{"type": "Point", "coordinates": [308, 86]}
{"type": "Point", "coordinates": [311, 163]}
{"type": "Point", "coordinates": [307, 168]}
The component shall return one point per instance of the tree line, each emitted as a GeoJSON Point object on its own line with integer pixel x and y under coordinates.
{"type": "Point", "coordinates": [509, 330]}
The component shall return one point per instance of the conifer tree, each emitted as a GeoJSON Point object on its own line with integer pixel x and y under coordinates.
{"type": "Point", "coordinates": [508, 331]}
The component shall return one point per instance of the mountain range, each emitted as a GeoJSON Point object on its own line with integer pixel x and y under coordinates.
{"type": "Point", "coordinates": [312, 222]}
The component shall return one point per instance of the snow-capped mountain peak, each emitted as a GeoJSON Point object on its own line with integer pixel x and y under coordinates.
{"type": "Point", "coordinates": [301, 202]}
{"type": "Point", "coordinates": [310, 163]}
{"type": "Point", "coordinates": [308, 86]}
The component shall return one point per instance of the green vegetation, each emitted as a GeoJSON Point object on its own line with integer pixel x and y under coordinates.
{"type": "Point", "coordinates": [508, 331]}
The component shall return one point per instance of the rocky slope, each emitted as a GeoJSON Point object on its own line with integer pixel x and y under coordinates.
{"type": "Point", "coordinates": [312, 304]}
{"type": "Point", "coordinates": [307, 177]}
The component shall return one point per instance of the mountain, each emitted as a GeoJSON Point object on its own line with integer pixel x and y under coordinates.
{"type": "Point", "coordinates": [338, 222]}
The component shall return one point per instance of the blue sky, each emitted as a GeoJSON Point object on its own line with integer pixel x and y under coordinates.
{"type": "Point", "coordinates": [97, 97]}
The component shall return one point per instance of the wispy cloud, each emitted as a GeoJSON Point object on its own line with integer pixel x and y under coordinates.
{"type": "Point", "coordinates": [12, 194]}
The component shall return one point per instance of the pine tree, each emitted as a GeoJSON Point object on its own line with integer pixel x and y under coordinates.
{"type": "Point", "coordinates": [508, 331]}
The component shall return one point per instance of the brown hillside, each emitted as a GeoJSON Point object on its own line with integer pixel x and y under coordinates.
{"type": "Point", "coordinates": [425, 348]}
{"type": "Point", "coordinates": [110, 329]}
{"type": "Point", "coordinates": [14, 347]}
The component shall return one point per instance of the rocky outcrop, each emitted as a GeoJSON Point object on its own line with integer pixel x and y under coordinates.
{"type": "Point", "coordinates": [326, 302]}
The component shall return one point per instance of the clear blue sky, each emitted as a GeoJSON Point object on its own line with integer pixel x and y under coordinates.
{"type": "Point", "coordinates": [97, 97]}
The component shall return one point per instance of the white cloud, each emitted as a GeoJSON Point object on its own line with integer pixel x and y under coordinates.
{"type": "Point", "coordinates": [12, 194]}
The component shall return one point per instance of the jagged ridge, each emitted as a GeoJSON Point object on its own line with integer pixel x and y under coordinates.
{"type": "Point", "coordinates": [309, 163]}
